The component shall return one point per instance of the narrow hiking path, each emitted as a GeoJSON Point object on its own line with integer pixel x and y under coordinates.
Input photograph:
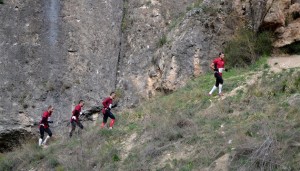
{"type": "Point", "coordinates": [281, 62]}
{"type": "Point", "coordinates": [276, 64]}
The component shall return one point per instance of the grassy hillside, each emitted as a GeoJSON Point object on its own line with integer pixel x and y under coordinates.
{"type": "Point", "coordinates": [257, 125]}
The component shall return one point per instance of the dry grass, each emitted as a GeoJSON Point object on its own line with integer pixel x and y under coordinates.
{"type": "Point", "coordinates": [187, 130]}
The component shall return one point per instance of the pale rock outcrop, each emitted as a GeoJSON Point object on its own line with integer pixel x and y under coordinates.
{"type": "Point", "coordinates": [276, 14]}
{"type": "Point", "coordinates": [290, 33]}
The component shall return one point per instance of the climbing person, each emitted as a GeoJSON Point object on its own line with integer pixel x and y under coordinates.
{"type": "Point", "coordinates": [218, 67]}
{"type": "Point", "coordinates": [75, 117]}
{"type": "Point", "coordinates": [107, 106]}
{"type": "Point", "coordinates": [44, 126]}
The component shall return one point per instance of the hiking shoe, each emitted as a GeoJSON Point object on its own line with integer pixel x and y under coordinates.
{"type": "Point", "coordinates": [110, 127]}
{"type": "Point", "coordinates": [221, 94]}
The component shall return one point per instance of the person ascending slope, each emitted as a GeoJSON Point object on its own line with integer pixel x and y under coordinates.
{"type": "Point", "coordinates": [107, 106]}
{"type": "Point", "coordinates": [218, 67]}
{"type": "Point", "coordinates": [44, 126]}
{"type": "Point", "coordinates": [75, 117]}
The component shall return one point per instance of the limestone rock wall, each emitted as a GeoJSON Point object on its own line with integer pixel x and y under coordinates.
{"type": "Point", "coordinates": [55, 52]}
{"type": "Point", "coordinates": [58, 52]}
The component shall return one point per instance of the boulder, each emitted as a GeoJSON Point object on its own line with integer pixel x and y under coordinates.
{"type": "Point", "coordinates": [289, 34]}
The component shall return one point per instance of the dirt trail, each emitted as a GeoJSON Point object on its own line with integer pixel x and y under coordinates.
{"type": "Point", "coordinates": [276, 64]}
{"type": "Point", "coordinates": [284, 62]}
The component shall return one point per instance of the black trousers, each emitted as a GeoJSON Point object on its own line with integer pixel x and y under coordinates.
{"type": "Point", "coordinates": [43, 130]}
{"type": "Point", "coordinates": [219, 79]}
{"type": "Point", "coordinates": [74, 123]}
{"type": "Point", "coordinates": [108, 114]}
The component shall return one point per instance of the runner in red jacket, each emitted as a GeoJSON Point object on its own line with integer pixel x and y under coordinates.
{"type": "Point", "coordinates": [44, 126]}
{"type": "Point", "coordinates": [107, 106]}
{"type": "Point", "coordinates": [75, 117]}
{"type": "Point", "coordinates": [218, 67]}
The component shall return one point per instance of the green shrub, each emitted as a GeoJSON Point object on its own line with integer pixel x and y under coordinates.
{"type": "Point", "coordinates": [195, 4]}
{"type": "Point", "coordinates": [59, 168]}
{"type": "Point", "coordinates": [162, 41]}
{"type": "Point", "coordinates": [247, 47]}
{"type": "Point", "coordinates": [263, 43]}
{"type": "Point", "coordinates": [53, 162]}
{"type": "Point", "coordinates": [124, 23]}
{"type": "Point", "coordinates": [116, 158]}
{"type": "Point", "coordinates": [148, 3]}
{"type": "Point", "coordinates": [6, 164]}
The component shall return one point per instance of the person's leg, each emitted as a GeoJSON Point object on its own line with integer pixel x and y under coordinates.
{"type": "Point", "coordinates": [73, 124]}
{"type": "Point", "coordinates": [48, 136]}
{"type": "Point", "coordinates": [220, 81]}
{"type": "Point", "coordinates": [80, 125]}
{"type": "Point", "coordinates": [42, 130]}
{"type": "Point", "coordinates": [105, 117]}
{"type": "Point", "coordinates": [215, 86]}
{"type": "Point", "coordinates": [112, 122]}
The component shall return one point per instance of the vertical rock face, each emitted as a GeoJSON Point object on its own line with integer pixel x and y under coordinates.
{"type": "Point", "coordinates": [58, 52]}
{"type": "Point", "coordinates": [146, 22]}
{"type": "Point", "coordinates": [168, 42]}
{"type": "Point", "coordinates": [55, 52]}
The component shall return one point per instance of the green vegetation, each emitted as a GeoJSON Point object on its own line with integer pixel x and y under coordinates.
{"type": "Point", "coordinates": [247, 47]}
{"type": "Point", "coordinates": [162, 41]}
{"type": "Point", "coordinates": [258, 126]}
{"type": "Point", "coordinates": [148, 3]}
{"type": "Point", "coordinates": [125, 19]}
{"type": "Point", "coordinates": [196, 4]}
{"type": "Point", "coordinates": [176, 21]}
{"type": "Point", "coordinates": [1, 2]}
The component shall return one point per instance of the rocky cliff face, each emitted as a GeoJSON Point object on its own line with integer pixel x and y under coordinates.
{"type": "Point", "coordinates": [168, 42]}
{"type": "Point", "coordinates": [57, 52]}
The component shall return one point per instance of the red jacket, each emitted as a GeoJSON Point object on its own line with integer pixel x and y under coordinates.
{"type": "Point", "coordinates": [219, 64]}
{"type": "Point", "coordinates": [44, 121]}
{"type": "Point", "coordinates": [107, 103]}
{"type": "Point", "coordinates": [76, 112]}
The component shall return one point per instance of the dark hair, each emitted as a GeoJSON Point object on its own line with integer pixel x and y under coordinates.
{"type": "Point", "coordinates": [221, 53]}
{"type": "Point", "coordinates": [112, 93]}
{"type": "Point", "coordinates": [80, 101]}
{"type": "Point", "coordinates": [49, 107]}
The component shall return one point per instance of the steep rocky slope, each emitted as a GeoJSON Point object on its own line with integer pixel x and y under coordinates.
{"type": "Point", "coordinates": [165, 43]}
{"type": "Point", "coordinates": [57, 52]}
{"type": "Point", "coordinates": [255, 126]}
